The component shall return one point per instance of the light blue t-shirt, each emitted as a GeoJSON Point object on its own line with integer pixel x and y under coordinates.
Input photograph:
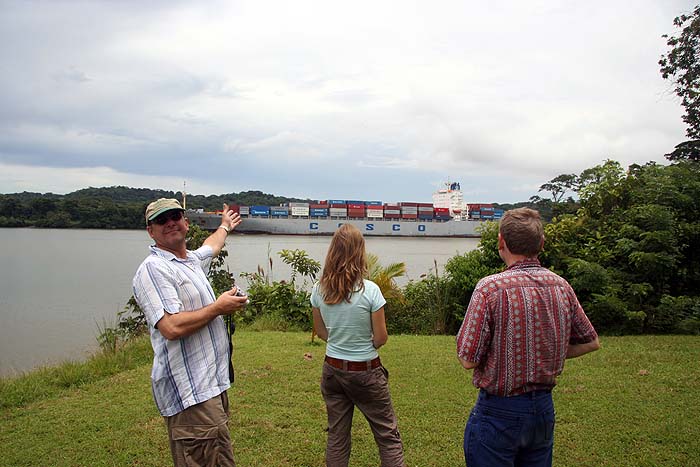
{"type": "Point", "coordinates": [350, 324]}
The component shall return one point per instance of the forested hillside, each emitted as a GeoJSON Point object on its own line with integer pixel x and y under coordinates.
{"type": "Point", "coordinates": [116, 207]}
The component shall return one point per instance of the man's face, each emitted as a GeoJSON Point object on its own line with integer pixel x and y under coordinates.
{"type": "Point", "coordinates": [169, 229]}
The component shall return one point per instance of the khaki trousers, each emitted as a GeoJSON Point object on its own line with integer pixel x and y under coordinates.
{"type": "Point", "coordinates": [199, 435]}
{"type": "Point", "coordinates": [369, 391]}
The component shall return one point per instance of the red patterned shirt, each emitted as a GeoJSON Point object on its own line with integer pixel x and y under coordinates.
{"type": "Point", "coordinates": [517, 329]}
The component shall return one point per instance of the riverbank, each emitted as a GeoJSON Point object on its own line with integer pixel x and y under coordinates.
{"type": "Point", "coordinates": [633, 403]}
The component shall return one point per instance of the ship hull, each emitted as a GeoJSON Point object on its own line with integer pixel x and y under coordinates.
{"type": "Point", "coordinates": [327, 226]}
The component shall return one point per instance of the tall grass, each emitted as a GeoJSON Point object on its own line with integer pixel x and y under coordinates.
{"type": "Point", "coordinates": [633, 403]}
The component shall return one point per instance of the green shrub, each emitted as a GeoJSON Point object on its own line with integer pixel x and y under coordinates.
{"type": "Point", "coordinates": [675, 314]}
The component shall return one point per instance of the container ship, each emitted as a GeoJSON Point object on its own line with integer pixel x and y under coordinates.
{"type": "Point", "coordinates": [446, 216]}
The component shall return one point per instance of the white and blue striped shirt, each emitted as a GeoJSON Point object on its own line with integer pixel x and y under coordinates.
{"type": "Point", "coordinates": [192, 369]}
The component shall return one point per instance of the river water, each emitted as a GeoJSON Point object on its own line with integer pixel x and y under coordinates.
{"type": "Point", "coordinates": [57, 287]}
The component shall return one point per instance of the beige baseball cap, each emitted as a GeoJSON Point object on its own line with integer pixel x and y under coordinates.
{"type": "Point", "coordinates": [159, 206]}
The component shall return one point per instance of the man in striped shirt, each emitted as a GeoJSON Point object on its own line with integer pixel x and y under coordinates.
{"type": "Point", "coordinates": [190, 372]}
{"type": "Point", "coordinates": [519, 328]}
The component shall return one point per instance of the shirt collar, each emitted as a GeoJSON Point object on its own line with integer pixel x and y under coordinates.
{"type": "Point", "coordinates": [525, 263]}
{"type": "Point", "coordinates": [168, 255]}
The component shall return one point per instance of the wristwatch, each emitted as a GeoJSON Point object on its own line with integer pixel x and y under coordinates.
{"type": "Point", "coordinates": [225, 228]}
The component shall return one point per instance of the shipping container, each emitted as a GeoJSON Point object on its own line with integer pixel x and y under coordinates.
{"type": "Point", "coordinates": [298, 205]}
{"type": "Point", "coordinates": [260, 210]}
{"type": "Point", "coordinates": [375, 213]}
{"type": "Point", "coordinates": [373, 203]}
{"type": "Point", "coordinates": [338, 212]}
{"type": "Point", "coordinates": [336, 201]}
{"type": "Point", "coordinates": [318, 206]}
{"type": "Point", "coordinates": [355, 206]}
{"type": "Point", "coordinates": [403, 203]}
{"type": "Point", "coordinates": [318, 212]}
{"type": "Point", "coordinates": [245, 210]}
{"type": "Point", "coordinates": [405, 215]}
{"type": "Point", "coordinates": [300, 211]}
{"type": "Point", "coordinates": [392, 215]}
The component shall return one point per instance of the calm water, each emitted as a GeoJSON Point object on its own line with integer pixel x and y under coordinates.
{"type": "Point", "coordinates": [58, 286]}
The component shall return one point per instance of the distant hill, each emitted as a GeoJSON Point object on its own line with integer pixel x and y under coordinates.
{"type": "Point", "coordinates": [115, 207]}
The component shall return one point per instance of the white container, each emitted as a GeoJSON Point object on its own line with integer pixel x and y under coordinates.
{"type": "Point", "coordinates": [245, 210]}
{"type": "Point", "coordinates": [339, 212]}
{"type": "Point", "coordinates": [375, 213]}
{"type": "Point", "coordinates": [300, 211]}
{"type": "Point", "coordinates": [298, 205]}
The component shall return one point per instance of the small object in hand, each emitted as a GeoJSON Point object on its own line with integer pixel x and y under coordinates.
{"type": "Point", "coordinates": [241, 293]}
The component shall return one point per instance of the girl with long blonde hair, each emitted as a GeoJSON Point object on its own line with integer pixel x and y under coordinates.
{"type": "Point", "coordinates": [348, 313]}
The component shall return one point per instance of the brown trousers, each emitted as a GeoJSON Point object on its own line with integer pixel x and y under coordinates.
{"type": "Point", "coordinates": [369, 391]}
{"type": "Point", "coordinates": [199, 435]}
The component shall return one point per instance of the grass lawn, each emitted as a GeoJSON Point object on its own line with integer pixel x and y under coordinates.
{"type": "Point", "coordinates": [633, 403]}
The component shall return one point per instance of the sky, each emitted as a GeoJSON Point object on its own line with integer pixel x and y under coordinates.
{"type": "Point", "coordinates": [368, 100]}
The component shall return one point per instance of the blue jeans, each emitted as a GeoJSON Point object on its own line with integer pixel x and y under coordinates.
{"type": "Point", "coordinates": [515, 431]}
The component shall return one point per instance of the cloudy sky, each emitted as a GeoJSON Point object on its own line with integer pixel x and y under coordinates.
{"type": "Point", "coordinates": [380, 100]}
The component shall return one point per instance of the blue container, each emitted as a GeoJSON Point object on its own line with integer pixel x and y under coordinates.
{"type": "Point", "coordinates": [279, 212]}
{"type": "Point", "coordinates": [373, 203]}
{"type": "Point", "coordinates": [424, 216]}
{"type": "Point", "coordinates": [318, 212]}
{"type": "Point", "coordinates": [260, 210]}
{"type": "Point", "coordinates": [336, 201]}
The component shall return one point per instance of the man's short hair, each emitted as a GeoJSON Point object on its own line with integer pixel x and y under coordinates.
{"type": "Point", "coordinates": [522, 231]}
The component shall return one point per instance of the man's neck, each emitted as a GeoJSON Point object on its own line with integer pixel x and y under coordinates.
{"type": "Point", "coordinates": [511, 259]}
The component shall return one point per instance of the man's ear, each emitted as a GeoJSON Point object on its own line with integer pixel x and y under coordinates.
{"type": "Point", "coordinates": [149, 229]}
{"type": "Point", "coordinates": [501, 242]}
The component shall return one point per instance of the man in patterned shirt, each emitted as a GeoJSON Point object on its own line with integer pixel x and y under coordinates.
{"type": "Point", "coordinates": [190, 372]}
{"type": "Point", "coordinates": [520, 326]}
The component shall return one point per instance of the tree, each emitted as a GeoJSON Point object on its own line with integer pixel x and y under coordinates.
{"type": "Point", "coordinates": [682, 65]}
{"type": "Point", "coordinates": [560, 185]}
{"type": "Point", "coordinates": [385, 276]}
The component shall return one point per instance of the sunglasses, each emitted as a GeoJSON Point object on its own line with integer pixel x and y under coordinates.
{"type": "Point", "coordinates": [172, 215]}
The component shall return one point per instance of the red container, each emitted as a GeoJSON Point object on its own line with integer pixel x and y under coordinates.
{"type": "Point", "coordinates": [341, 206]}
{"type": "Point", "coordinates": [442, 210]}
{"type": "Point", "coordinates": [392, 216]}
{"type": "Point", "coordinates": [415, 205]}
{"type": "Point", "coordinates": [425, 205]}
{"type": "Point", "coordinates": [356, 213]}
{"type": "Point", "coordinates": [374, 208]}
{"type": "Point", "coordinates": [409, 216]}
{"type": "Point", "coordinates": [318, 206]}
{"type": "Point", "coordinates": [356, 206]}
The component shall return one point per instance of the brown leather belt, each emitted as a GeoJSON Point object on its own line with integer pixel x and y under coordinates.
{"type": "Point", "coordinates": [353, 366]}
